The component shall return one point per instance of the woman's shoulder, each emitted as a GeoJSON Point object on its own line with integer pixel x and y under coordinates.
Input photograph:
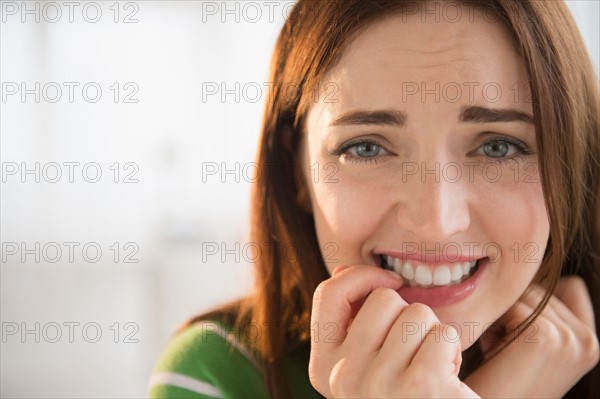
{"type": "Point", "coordinates": [208, 359]}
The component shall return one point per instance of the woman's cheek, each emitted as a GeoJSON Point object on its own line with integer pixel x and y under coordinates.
{"type": "Point", "coordinates": [346, 215]}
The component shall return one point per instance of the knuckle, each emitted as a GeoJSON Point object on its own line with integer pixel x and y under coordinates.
{"type": "Point", "coordinates": [570, 344]}
{"type": "Point", "coordinates": [322, 289]}
{"type": "Point", "coordinates": [420, 311]}
{"type": "Point", "coordinates": [550, 336]}
{"type": "Point", "coordinates": [590, 347]}
{"type": "Point", "coordinates": [570, 340]}
{"type": "Point", "coordinates": [542, 334]}
{"type": "Point", "coordinates": [385, 296]}
{"type": "Point", "coordinates": [343, 379]}
{"type": "Point", "coordinates": [440, 334]}
{"type": "Point", "coordinates": [451, 334]}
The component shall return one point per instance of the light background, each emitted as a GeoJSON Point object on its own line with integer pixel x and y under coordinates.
{"type": "Point", "coordinates": [171, 134]}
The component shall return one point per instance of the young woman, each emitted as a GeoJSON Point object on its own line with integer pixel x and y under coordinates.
{"type": "Point", "coordinates": [427, 219]}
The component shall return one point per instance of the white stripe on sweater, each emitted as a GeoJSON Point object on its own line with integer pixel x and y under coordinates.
{"type": "Point", "coordinates": [183, 381]}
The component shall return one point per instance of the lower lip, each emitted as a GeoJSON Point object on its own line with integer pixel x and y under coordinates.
{"type": "Point", "coordinates": [446, 295]}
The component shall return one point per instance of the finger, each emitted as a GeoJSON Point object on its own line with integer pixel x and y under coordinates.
{"type": "Point", "coordinates": [577, 335]}
{"type": "Point", "coordinates": [438, 360]}
{"type": "Point", "coordinates": [339, 269]}
{"type": "Point", "coordinates": [503, 330]}
{"type": "Point", "coordinates": [535, 295]}
{"type": "Point", "coordinates": [407, 335]}
{"type": "Point", "coordinates": [510, 326]}
{"type": "Point", "coordinates": [573, 292]}
{"type": "Point", "coordinates": [373, 321]}
{"type": "Point", "coordinates": [514, 316]}
{"type": "Point", "coordinates": [334, 297]}
{"type": "Point", "coordinates": [556, 310]}
{"type": "Point", "coordinates": [512, 321]}
{"type": "Point", "coordinates": [440, 353]}
{"type": "Point", "coordinates": [497, 378]}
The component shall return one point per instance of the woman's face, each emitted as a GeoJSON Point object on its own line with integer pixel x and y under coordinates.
{"type": "Point", "coordinates": [423, 159]}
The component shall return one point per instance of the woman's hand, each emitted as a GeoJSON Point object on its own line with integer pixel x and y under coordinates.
{"type": "Point", "coordinates": [558, 349]}
{"type": "Point", "coordinates": [360, 346]}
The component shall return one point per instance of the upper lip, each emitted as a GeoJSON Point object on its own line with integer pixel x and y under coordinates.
{"type": "Point", "coordinates": [431, 258]}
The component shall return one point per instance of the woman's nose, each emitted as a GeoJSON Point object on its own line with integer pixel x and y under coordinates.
{"type": "Point", "coordinates": [433, 207]}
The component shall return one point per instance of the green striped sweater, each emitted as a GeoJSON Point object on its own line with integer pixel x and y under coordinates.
{"type": "Point", "coordinates": [208, 360]}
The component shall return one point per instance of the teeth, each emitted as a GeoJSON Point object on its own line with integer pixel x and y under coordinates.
{"type": "Point", "coordinates": [441, 275]}
{"type": "Point", "coordinates": [425, 276]}
{"type": "Point", "coordinates": [466, 267]}
{"type": "Point", "coordinates": [457, 272]}
{"type": "Point", "coordinates": [397, 266]}
{"type": "Point", "coordinates": [407, 271]}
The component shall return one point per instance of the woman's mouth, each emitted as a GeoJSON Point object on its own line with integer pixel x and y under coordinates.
{"type": "Point", "coordinates": [418, 274]}
{"type": "Point", "coordinates": [439, 284]}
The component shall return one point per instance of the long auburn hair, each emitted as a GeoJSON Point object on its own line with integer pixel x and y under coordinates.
{"type": "Point", "coordinates": [566, 109]}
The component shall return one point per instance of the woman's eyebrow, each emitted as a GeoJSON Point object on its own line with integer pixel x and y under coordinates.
{"type": "Point", "coordinates": [474, 114]}
{"type": "Point", "coordinates": [383, 117]}
{"type": "Point", "coordinates": [488, 115]}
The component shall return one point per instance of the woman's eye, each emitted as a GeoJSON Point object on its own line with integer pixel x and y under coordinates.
{"type": "Point", "coordinates": [496, 149]}
{"type": "Point", "coordinates": [499, 148]}
{"type": "Point", "coordinates": [366, 150]}
{"type": "Point", "coordinates": [361, 151]}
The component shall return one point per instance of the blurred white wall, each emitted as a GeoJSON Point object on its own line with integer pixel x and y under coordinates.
{"type": "Point", "coordinates": [162, 140]}
{"type": "Point", "coordinates": [169, 207]}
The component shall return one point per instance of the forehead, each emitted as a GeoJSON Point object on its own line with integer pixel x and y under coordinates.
{"type": "Point", "coordinates": [418, 63]}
